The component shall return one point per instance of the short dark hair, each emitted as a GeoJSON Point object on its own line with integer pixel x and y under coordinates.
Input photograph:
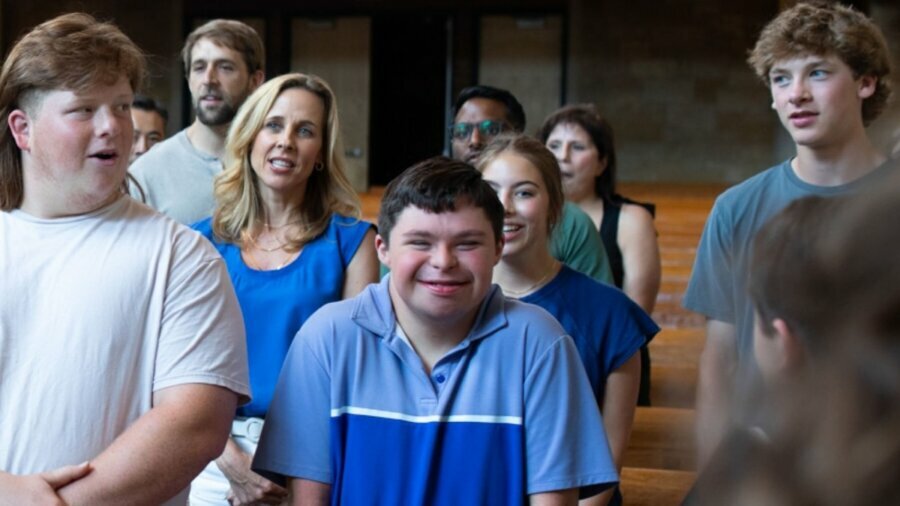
{"type": "Point", "coordinates": [145, 103]}
{"type": "Point", "coordinates": [788, 279]}
{"type": "Point", "coordinates": [514, 112]}
{"type": "Point", "coordinates": [589, 118]}
{"type": "Point", "coordinates": [439, 185]}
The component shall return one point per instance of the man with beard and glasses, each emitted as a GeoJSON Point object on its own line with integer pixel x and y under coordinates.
{"type": "Point", "coordinates": [223, 61]}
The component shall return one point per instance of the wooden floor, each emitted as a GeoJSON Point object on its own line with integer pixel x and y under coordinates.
{"type": "Point", "coordinates": [659, 463]}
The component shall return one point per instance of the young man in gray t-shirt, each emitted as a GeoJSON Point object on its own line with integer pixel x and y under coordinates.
{"type": "Point", "coordinates": [826, 68]}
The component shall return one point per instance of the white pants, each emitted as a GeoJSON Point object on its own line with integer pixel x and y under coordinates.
{"type": "Point", "coordinates": [211, 487]}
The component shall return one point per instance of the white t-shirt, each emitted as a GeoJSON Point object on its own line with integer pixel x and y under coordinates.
{"type": "Point", "coordinates": [96, 313]}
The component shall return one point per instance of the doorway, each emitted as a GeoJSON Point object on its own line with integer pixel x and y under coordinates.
{"type": "Point", "coordinates": [409, 93]}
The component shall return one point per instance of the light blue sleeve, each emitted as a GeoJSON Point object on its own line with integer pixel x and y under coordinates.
{"type": "Point", "coordinates": [295, 441]}
{"type": "Point", "coordinates": [566, 445]}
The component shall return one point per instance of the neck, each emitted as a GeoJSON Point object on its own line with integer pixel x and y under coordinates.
{"type": "Point", "coordinates": [208, 139]}
{"type": "Point", "coordinates": [278, 208]}
{"type": "Point", "coordinates": [525, 273]}
{"type": "Point", "coordinates": [837, 164]}
{"type": "Point", "coordinates": [431, 339]}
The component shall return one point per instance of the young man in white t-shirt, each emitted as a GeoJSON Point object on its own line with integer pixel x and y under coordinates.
{"type": "Point", "coordinates": [122, 353]}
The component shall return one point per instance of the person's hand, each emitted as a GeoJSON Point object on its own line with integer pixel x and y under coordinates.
{"type": "Point", "coordinates": [247, 487]}
{"type": "Point", "coordinates": [39, 489]}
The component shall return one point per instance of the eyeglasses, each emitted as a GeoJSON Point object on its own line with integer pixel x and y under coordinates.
{"type": "Point", "coordinates": [487, 128]}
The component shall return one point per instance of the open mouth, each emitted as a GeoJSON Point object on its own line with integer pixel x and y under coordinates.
{"type": "Point", "coordinates": [104, 155]}
{"type": "Point", "coordinates": [281, 163]}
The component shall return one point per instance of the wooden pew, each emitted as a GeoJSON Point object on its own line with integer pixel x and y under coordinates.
{"type": "Point", "coordinates": [675, 357]}
{"type": "Point", "coordinates": [673, 386]}
{"type": "Point", "coordinates": [654, 487]}
{"type": "Point", "coordinates": [662, 438]}
{"type": "Point", "coordinates": [679, 346]}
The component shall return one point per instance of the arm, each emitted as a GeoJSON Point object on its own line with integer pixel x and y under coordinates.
{"type": "Point", "coordinates": [555, 498]}
{"type": "Point", "coordinates": [718, 363]}
{"type": "Point", "coordinates": [247, 487]}
{"type": "Point", "coordinates": [39, 489]}
{"type": "Point", "coordinates": [363, 268]}
{"type": "Point", "coordinates": [640, 256]}
{"type": "Point", "coordinates": [310, 493]}
{"type": "Point", "coordinates": [619, 402]}
{"type": "Point", "coordinates": [159, 454]}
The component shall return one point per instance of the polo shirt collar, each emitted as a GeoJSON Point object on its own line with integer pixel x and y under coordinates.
{"type": "Point", "coordinates": [375, 313]}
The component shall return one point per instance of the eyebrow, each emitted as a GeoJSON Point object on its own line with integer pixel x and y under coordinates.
{"type": "Point", "coordinates": [427, 234]}
{"type": "Point", "coordinates": [811, 63]}
{"type": "Point", "coordinates": [527, 182]}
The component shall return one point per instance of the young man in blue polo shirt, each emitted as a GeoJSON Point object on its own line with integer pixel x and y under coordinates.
{"type": "Point", "coordinates": [431, 387]}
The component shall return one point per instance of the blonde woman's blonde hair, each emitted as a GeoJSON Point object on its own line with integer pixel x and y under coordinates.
{"type": "Point", "coordinates": [328, 191]}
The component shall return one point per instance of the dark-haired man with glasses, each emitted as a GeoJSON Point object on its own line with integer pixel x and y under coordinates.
{"type": "Point", "coordinates": [481, 113]}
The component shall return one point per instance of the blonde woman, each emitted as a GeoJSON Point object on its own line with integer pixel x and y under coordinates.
{"type": "Point", "coordinates": [608, 328]}
{"type": "Point", "coordinates": [287, 224]}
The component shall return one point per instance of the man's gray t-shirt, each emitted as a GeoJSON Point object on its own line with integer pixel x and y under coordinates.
{"type": "Point", "coordinates": [177, 179]}
{"type": "Point", "coordinates": [718, 285]}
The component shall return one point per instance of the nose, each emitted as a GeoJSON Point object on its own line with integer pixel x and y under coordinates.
{"type": "Point", "coordinates": [141, 145]}
{"type": "Point", "coordinates": [563, 154]}
{"type": "Point", "coordinates": [506, 199]}
{"type": "Point", "coordinates": [443, 257]}
{"type": "Point", "coordinates": [209, 75]}
{"type": "Point", "coordinates": [285, 140]}
{"type": "Point", "coordinates": [109, 123]}
{"type": "Point", "coordinates": [476, 138]}
{"type": "Point", "coordinates": [799, 92]}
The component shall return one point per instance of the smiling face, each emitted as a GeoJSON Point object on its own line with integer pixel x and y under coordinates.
{"type": "Point", "coordinates": [441, 266]}
{"type": "Point", "coordinates": [818, 100]}
{"type": "Point", "coordinates": [522, 191]}
{"type": "Point", "coordinates": [219, 82]}
{"type": "Point", "coordinates": [289, 144]}
{"type": "Point", "coordinates": [579, 160]}
{"type": "Point", "coordinates": [75, 148]}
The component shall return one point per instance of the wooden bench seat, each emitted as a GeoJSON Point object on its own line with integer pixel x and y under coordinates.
{"type": "Point", "coordinates": [662, 438]}
{"type": "Point", "coordinates": [654, 487]}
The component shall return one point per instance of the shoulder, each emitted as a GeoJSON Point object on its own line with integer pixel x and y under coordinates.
{"type": "Point", "coordinates": [532, 321]}
{"type": "Point", "coordinates": [754, 186]}
{"type": "Point", "coordinates": [636, 216]}
{"type": "Point", "coordinates": [572, 215]}
{"type": "Point", "coordinates": [204, 226]}
{"type": "Point", "coordinates": [160, 157]}
{"type": "Point", "coordinates": [342, 224]}
{"type": "Point", "coordinates": [160, 234]}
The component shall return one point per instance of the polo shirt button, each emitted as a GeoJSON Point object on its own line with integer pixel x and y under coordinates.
{"type": "Point", "coordinates": [439, 378]}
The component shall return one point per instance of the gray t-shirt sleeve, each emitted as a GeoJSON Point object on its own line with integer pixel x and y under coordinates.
{"type": "Point", "coordinates": [711, 289]}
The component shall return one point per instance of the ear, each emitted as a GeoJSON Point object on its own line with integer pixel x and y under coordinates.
{"type": "Point", "coordinates": [866, 86]}
{"type": "Point", "coordinates": [256, 79]}
{"type": "Point", "coordinates": [381, 248]}
{"type": "Point", "coordinates": [773, 105]}
{"type": "Point", "coordinates": [790, 348]}
{"type": "Point", "coordinates": [601, 166]}
{"type": "Point", "coordinates": [20, 127]}
{"type": "Point", "coordinates": [498, 253]}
